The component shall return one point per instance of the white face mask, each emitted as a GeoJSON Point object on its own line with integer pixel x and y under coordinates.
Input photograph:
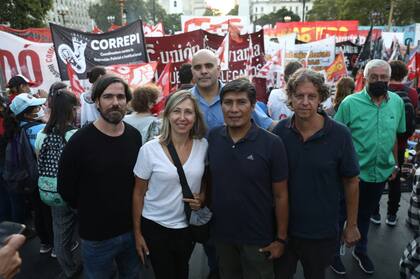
{"type": "Point", "coordinates": [40, 114]}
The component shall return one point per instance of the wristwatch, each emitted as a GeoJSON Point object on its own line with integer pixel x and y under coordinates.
{"type": "Point", "coordinates": [282, 241]}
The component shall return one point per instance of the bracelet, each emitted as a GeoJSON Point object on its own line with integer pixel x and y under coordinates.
{"type": "Point", "coordinates": [282, 241]}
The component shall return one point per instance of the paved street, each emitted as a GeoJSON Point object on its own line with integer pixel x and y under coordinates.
{"type": "Point", "coordinates": [385, 248]}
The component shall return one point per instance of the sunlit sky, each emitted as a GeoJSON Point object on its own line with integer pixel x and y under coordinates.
{"type": "Point", "coordinates": [223, 5]}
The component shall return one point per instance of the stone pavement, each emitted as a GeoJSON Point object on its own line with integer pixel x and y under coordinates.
{"type": "Point", "coordinates": [385, 249]}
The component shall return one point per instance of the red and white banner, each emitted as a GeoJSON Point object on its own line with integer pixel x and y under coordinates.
{"type": "Point", "coordinates": [36, 61]}
{"type": "Point", "coordinates": [134, 74]}
{"type": "Point", "coordinates": [153, 31]}
{"type": "Point", "coordinates": [165, 88]}
{"type": "Point", "coordinates": [356, 37]}
{"type": "Point", "coordinates": [39, 35]}
{"type": "Point", "coordinates": [213, 24]}
{"type": "Point", "coordinates": [75, 84]}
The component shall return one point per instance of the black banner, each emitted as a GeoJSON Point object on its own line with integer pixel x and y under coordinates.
{"type": "Point", "coordinates": [83, 50]}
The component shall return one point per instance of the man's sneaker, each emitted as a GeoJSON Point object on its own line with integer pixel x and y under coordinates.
{"type": "Point", "coordinates": [364, 262]}
{"type": "Point", "coordinates": [376, 219]}
{"type": "Point", "coordinates": [337, 266]}
{"type": "Point", "coordinates": [53, 254]}
{"type": "Point", "coordinates": [45, 248]}
{"type": "Point", "coordinates": [391, 220]}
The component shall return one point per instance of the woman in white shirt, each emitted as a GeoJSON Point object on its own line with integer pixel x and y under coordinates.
{"type": "Point", "coordinates": [160, 226]}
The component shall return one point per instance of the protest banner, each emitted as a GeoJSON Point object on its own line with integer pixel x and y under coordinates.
{"type": "Point", "coordinates": [134, 74]}
{"type": "Point", "coordinates": [214, 24]}
{"type": "Point", "coordinates": [151, 30]}
{"type": "Point", "coordinates": [83, 50]}
{"type": "Point", "coordinates": [36, 61]}
{"type": "Point", "coordinates": [321, 53]}
{"type": "Point", "coordinates": [39, 35]}
{"type": "Point", "coordinates": [311, 31]}
{"type": "Point", "coordinates": [356, 37]}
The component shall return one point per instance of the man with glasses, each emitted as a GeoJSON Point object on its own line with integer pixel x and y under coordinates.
{"type": "Point", "coordinates": [374, 116]}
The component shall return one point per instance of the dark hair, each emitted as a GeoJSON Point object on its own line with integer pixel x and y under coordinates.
{"type": "Point", "coordinates": [53, 89]}
{"type": "Point", "coordinates": [345, 87]}
{"type": "Point", "coordinates": [95, 73]}
{"type": "Point", "coordinates": [240, 85]}
{"type": "Point", "coordinates": [106, 80]}
{"type": "Point", "coordinates": [291, 68]}
{"type": "Point", "coordinates": [12, 122]}
{"type": "Point", "coordinates": [143, 96]}
{"type": "Point", "coordinates": [185, 74]}
{"type": "Point", "coordinates": [61, 116]}
{"type": "Point", "coordinates": [398, 70]}
{"type": "Point", "coordinates": [306, 75]}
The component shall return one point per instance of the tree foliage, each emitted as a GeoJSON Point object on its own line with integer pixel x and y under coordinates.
{"type": "Point", "coordinates": [212, 12]}
{"type": "Point", "coordinates": [234, 11]}
{"type": "Point", "coordinates": [21, 14]}
{"type": "Point", "coordinates": [277, 16]}
{"type": "Point", "coordinates": [149, 11]}
{"type": "Point", "coordinates": [405, 11]}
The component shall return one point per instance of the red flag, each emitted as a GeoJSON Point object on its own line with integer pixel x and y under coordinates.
{"type": "Point", "coordinates": [113, 27]}
{"type": "Point", "coordinates": [234, 32]}
{"type": "Point", "coordinates": [164, 83]}
{"type": "Point", "coordinates": [223, 53]}
{"type": "Point", "coordinates": [96, 30]}
{"type": "Point", "coordinates": [411, 66]}
{"type": "Point", "coordinates": [75, 84]}
{"type": "Point", "coordinates": [337, 69]}
{"type": "Point", "coordinates": [359, 81]}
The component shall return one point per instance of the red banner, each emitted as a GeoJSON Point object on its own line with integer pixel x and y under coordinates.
{"type": "Point", "coordinates": [135, 74]}
{"type": "Point", "coordinates": [337, 69]}
{"type": "Point", "coordinates": [39, 35]}
{"type": "Point", "coordinates": [311, 31]}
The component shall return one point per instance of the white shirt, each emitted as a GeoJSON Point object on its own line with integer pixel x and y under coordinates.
{"type": "Point", "coordinates": [163, 200]}
{"type": "Point", "coordinates": [88, 111]}
{"type": "Point", "coordinates": [277, 105]}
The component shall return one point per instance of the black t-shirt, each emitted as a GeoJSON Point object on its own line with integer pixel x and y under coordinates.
{"type": "Point", "coordinates": [316, 169]}
{"type": "Point", "coordinates": [242, 174]}
{"type": "Point", "coordinates": [96, 177]}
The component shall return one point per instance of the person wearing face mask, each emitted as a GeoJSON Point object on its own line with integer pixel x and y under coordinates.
{"type": "Point", "coordinates": [25, 114]}
{"type": "Point", "coordinates": [374, 116]}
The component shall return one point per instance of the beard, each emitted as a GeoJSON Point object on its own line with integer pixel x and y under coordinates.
{"type": "Point", "coordinates": [113, 115]}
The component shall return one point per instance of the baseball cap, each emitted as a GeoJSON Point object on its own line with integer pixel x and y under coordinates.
{"type": "Point", "coordinates": [18, 80]}
{"type": "Point", "coordinates": [23, 101]}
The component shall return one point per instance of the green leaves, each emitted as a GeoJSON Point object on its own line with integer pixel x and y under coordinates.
{"type": "Point", "coordinates": [21, 14]}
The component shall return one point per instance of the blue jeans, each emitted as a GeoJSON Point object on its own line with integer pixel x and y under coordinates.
{"type": "Point", "coordinates": [99, 257]}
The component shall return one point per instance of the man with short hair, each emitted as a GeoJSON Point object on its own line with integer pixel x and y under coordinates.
{"type": "Point", "coordinates": [207, 88]}
{"type": "Point", "coordinates": [185, 77]}
{"type": "Point", "coordinates": [322, 164]}
{"type": "Point", "coordinates": [96, 178]}
{"type": "Point", "coordinates": [248, 168]}
{"type": "Point", "coordinates": [374, 116]}
{"type": "Point", "coordinates": [206, 73]}
{"type": "Point", "coordinates": [409, 95]}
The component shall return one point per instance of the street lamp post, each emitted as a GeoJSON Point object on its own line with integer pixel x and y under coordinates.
{"type": "Point", "coordinates": [63, 11]}
{"type": "Point", "coordinates": [121, 2]}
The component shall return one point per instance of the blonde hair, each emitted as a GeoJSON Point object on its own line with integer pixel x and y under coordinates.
{"type": "Point", "coordinates": [198, 130]}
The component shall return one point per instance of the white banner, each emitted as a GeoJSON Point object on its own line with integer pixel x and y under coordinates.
{"type": "Point", "coordinates": [36, 61]}
{"type": "Point", "coordinates": [318, 55]}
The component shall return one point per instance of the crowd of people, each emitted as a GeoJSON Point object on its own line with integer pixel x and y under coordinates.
{"type": "Point", "coordinates": [269, 189]}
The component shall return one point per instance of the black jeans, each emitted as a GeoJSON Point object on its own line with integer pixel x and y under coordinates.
{"type": "Point", "coordinates": [43, 219]}
{"type": "Point", "coordinates": [314, 254]}
{"type": "Point", "coordinates": [394, 189]}
{"type": "Point", "coordinates": [170, 249]}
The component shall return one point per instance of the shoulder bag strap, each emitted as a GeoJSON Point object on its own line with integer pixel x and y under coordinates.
{"type": "Point", "coordinates": [186, 191]}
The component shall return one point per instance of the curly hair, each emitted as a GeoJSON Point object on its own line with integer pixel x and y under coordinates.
{"type": "Point", "coordinates": [306, 75]}
{"type": "Point", "coordinates": [143, 97]}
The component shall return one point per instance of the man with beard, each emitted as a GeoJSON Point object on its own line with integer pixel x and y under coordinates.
{"type": "Point", "coordinates": [374, 116]}
{"type": "Point", "coordinates": [96, 178]}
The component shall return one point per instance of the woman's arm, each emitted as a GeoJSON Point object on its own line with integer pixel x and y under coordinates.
{"type": "Point", "coordinates": [140, 188]}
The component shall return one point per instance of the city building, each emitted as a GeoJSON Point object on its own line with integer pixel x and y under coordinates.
{"type": "Point", "coordinates": [258, 8]}
{"type": "Point", "coordinates": [72, 14]}
{"type": "Point", "coordinates": [185, 7]}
